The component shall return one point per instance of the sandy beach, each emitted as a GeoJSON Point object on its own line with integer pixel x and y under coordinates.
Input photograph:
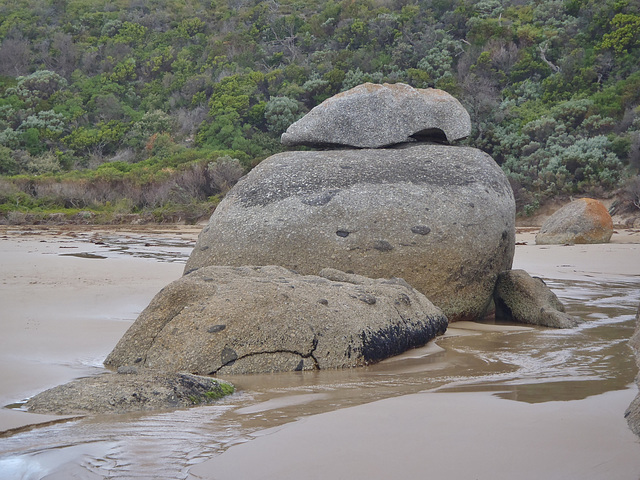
{"type": "Point", "coordinates": [68, 295]}
{"type": "Point", "coordinates": [64, 307]}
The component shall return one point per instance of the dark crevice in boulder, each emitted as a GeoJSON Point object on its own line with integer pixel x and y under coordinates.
{"type": "Point", "coordinates": [302, 356]}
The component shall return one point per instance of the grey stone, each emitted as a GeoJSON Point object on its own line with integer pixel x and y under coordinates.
{"type": "Point", "coordinates": [374, 116]}
{"type": "Point", "coordinates": [139, 390]}
{"type": "Point", "coordinates": [582, 221]}
{"type": "Point", "coordinates": [633, 412]}
{"type": "Point", "coordinates": [404, 212]}
{"type": "Point", "coordinates": [276, 320]}
{"type": "Point", "coordinates": [522, 298]}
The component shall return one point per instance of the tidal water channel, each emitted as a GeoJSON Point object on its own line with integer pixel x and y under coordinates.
{"type": "Point", "coordinates": [518, 363]}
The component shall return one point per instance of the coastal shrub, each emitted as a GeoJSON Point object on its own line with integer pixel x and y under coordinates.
{"type": "Point", "coordinates": [630, 196]}
{"type": "Point", "coordinates": [224, 173]}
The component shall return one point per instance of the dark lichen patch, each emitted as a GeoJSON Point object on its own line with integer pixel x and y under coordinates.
{"type": "Point", "coordinates": [320, 200]}
{"type": "Point", "coordinates": [421, 230]}
{"type": "Point", "coordinates": [367, 298]}
{"type": "Point", "coordinates": [228, 356]}
{"type": "Point", "coordinates": [403, 299]}
{"type": "Point", "coordinates": [216, 328]}
{"type": "Point", "coordinates": [382, 246]}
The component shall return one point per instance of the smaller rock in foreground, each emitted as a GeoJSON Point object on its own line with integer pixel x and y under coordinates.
{"type": "Point", "coordinates": [133, 390]}
{"type": "Point", "coordinates": [582, 221]}
{"type": "Point", "coordinates": [237, 320]}
{"type": "Point", "coordinates": [520, 297]}
{"type": "Point", "coordinates": [375, 116]}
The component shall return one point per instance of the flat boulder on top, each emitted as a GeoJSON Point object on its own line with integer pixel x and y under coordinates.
{"type": "Point", "coordinates": [374, 116]}
{"type": "Point", "coordinates": [582, 221]}
{"type": "Point", "coordinates": [438, 216]}
{"type": "Point", "coordinates": [236, 320]}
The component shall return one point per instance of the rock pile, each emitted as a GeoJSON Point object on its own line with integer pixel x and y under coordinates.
{"type": "Point", "coordinates": [438, 220]}
{"type": "Point", "coordinates": [441, 217]}
{"type": "Point", "coordinates": [582, 221]}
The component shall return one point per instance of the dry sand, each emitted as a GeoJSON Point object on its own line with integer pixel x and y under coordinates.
{"type": "Point", "coordinates": [61, 315]}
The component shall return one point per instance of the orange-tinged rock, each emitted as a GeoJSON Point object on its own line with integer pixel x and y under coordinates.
{"type": "Point", "coordinates": [582, 221]}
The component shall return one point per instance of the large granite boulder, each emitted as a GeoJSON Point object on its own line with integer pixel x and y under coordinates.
{"type": "Point", "coordinates": [519, 297]}
{"type": "Point", "coordinates": [373, 116]}
{"type": "Point", "coordinates": [440, 217]}
{"type": "Point", "coordinates": [582, 221]}
{"type": "Point", "coordinates": [130, 390]}
{"type": "Point", "coordinates": [633, 412]}
{"type": "Point", "coordinates": [236, 320]}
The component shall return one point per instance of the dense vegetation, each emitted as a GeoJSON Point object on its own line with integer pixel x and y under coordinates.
{"type": "Point", "coordinates": [109, 107]}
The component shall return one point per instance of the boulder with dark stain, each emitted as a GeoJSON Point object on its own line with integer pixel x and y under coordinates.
{"type": "Point", "coordinates": [275, 320]}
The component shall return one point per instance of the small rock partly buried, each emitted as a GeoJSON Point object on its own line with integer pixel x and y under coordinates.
{"type": "Point", "coordinates": [133, 390]}
{"type": "Point", "coordinates": [522, 298]}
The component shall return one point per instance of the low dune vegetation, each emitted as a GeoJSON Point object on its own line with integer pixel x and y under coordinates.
{"type": "Point", "coordinates": [119, 111]}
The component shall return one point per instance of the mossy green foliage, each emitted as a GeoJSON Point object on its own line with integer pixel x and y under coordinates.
{"type": "Point", "coordinates": [220, 390]}
{"type": "Point", "coordinates": [145, 90]}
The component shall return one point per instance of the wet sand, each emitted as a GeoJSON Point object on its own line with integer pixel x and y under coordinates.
{"type": "Point", "coordinates": [62, 314]}
{"type": "Point", "coordinates": [64, 307]}
{"type": "Point", "coordinates": [443, 435]}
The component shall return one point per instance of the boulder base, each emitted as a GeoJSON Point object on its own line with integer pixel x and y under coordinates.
{"type": "Point", "coordinates": [133, 390]}
{"type": "Point", "coordinates": [522, 298]}
{"type": "Point", "coordinates": [235, 320]}
{"type": "Point", "coordinates": [582, 221]}
{"type": "Point", "coordinates": [374, 116]}
{"type": "Point", "coordinates": [441, 217]}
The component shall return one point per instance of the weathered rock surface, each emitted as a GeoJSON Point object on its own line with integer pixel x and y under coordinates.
{"type": "Point", "coordinates": [582, 221]}
{"type": "Point", "coordinates": [236, 320]}
{"type": "Point", "coordinates": [522, 298]}
{"type": "Point", "coordinates": [440, 217]}
{"type": "Point", "coordinates": [131, 391]}
{"type": "Point", "coordinates": [633, 412]}
{"type": "Point", "coordinates": [373, 116]}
